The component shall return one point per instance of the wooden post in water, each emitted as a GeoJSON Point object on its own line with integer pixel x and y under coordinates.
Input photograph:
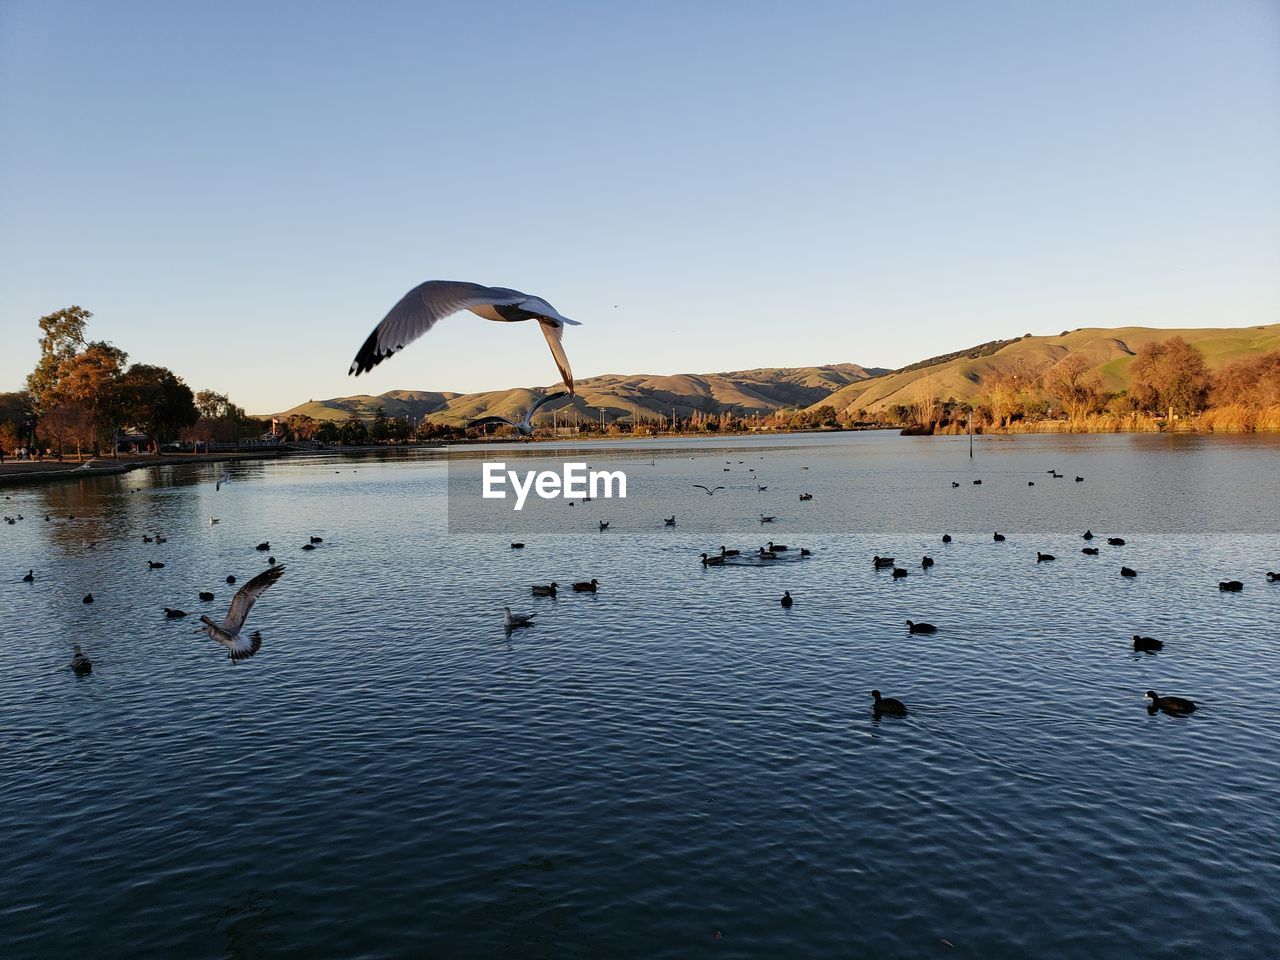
{"type": "Point", "coordinates": [970, 434]}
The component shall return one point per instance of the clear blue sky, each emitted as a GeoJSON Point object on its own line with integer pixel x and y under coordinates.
{"type": "Point", "coordinates": [241, 190]}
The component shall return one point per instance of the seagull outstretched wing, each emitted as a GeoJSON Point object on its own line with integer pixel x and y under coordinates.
{"type": "Point", "coordinates": [418, 311]}
{"type": "Point", "coordinates": [428, 303]}
{"type": "Point", "coordinates": [245, 598]}
{"type": "Point", "coordinates": [553, 331]}
{"type": "Point", "coordinates": [711, 491]}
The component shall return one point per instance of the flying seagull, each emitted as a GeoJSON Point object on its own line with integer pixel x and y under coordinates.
{"type": "Point", "coordinates": [524, 425]}
{"type": "Point", "coordinates": [428, 303]}
{"type": "Point", "coordinates": [711, 491]}
{"type": "Point", "coordinates": [227, 632]}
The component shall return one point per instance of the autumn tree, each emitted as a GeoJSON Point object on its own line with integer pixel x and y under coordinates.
{"type": "Point", "coordinates": [88, 380]}
{"type": "Point", "coordinates": [62, 337]}
{"type": "Point", "coordinates": [1071, 384]}
{"type": "Point", "coordinates": [9, 437]}
{"type": "Point", "coordinates": [1170, 376]}
{"type": "Point", "coordinates": [1001, 388]}
{"type": "Point", "coordinates": [156, 401]}
{"type": "Point", "coordinates": [302, 427]}
{"type": "Point", "coordinates": [1253, 382]}
{"type": "Point", "coordinates": [15, 418]}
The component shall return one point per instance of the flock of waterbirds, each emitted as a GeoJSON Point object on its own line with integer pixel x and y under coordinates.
{"type": "Point", "coordinates": [772, 552]}
{"type": "Point", "coordinates": [229, 631]}
{"type": "Point", "coordinates": [240, 645]}
{"type": "Point", "coordinates": [415, 314]}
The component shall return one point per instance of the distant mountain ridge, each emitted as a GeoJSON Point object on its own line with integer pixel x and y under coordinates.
{"type": "Point", "coordinates": [958, 375]}
{"type": "Point", "coordinates": [761, 390]}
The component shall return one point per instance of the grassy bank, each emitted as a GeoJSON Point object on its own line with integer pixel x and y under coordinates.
{"type": "Point", "coordinates": [1226, 419]}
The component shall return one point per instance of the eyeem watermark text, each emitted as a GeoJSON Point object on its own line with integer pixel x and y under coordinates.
{"type": "Point", "coordinates": [574, 481]}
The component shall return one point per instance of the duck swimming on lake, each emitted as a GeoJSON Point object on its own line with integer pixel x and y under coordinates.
{"type": "Point", "coordinates": [1090, 551]}
{"type": "Point", "coordinates": [914, 627]}
{"type": "Point", "coordinates": [1043, 557]}
{"type": "Point", "coordinates": [1147, 643]}
{"type": "Point", "coordinates": [717, 560]}
{"type": "Point", "coordinates": [80, 663]}
{"type": "Point", "coordinates": [1128, 572]}
{"type": "Point", "coordinates": [1173, 705]}
{"type": "Point", "coordinates": [545, 590]}
{"type": "Point", "coordinates": [881, 563]}
{"type": "Point", "coordinates": [30, 577]}
{"type": "Point", "coordinates": [586, 586]}
{"type": "Point", "coordinates": [786, 598]}
{"type": "Point", "coordinates": [890, 705]}
{"type": "Point", "coordinates": [1231, 586]}
{"type": "Point", "coordinates": [998, 537]}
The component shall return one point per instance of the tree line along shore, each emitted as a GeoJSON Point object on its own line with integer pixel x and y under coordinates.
{"type": "Point", "coordinates": [83, 399]}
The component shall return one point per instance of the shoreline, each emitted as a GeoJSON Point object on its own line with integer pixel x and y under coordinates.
{"type": "Point", "coordinates": [15, 473]}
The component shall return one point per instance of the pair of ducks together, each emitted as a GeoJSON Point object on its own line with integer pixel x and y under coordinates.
{"type": "Point", "coordinates": [549, 590]}
{"type": "Point", "coordinates": [1175, 706]}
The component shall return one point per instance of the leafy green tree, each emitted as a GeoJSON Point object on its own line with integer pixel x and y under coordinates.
{"type": "Point", "coordinates": [62, 337]}
{"type": "Point", "coordinates": [156, 401]}
{"type": "Point", "coordinates": [352, 430]}
{"type": "Point", "coordinates": [381, 430]}
{"type": "Point", "coordinates": [327, 432]}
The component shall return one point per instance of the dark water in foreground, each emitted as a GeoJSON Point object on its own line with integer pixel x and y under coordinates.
{"type": "Point", "coordinates": [672, 767]}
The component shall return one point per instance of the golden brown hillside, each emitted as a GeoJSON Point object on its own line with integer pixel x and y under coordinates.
{"type": "Point", "coordinates": [1109, 352]}
{"type": "Point", "coordinates": [622, 396]}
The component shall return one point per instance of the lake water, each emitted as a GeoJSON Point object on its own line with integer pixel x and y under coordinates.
{"type": "Point", "coordinates": [675, 766]}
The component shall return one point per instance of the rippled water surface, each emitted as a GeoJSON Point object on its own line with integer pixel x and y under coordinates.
{"type": "Point", "coordinates": [674, 766]}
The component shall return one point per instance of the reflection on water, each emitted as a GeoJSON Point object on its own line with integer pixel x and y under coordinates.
{"type": "Point", "coordinates": [675, 763]}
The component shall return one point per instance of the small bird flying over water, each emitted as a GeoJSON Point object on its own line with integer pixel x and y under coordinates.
{"type": "Point", "coordinates": [428, 303]}
{"type": "Point", "coordinates": [227, 633]}
{"type": "Point", "coordinates": [525, 424]}
{"type": "Point", "coordinates": [710, 491]}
